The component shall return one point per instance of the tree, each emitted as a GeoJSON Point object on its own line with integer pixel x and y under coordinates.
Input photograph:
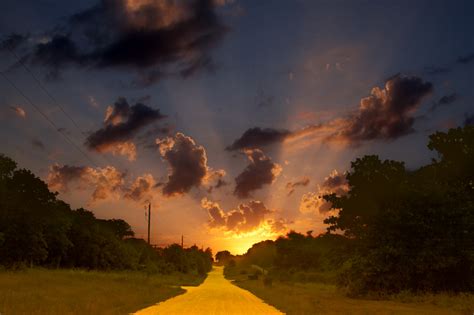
{"type": "Point", "coordinates": [411, 229]}
{"type": "Point", "coordinates": [223, 256]}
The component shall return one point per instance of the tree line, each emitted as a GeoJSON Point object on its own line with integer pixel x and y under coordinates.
{"type": "Point", "coordinates": [39, 229]}
{"type": "Point", "coordinates": [396, 229]}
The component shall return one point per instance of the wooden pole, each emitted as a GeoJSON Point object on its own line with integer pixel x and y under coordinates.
{"type": "Point", "coordinates": [149, 219]}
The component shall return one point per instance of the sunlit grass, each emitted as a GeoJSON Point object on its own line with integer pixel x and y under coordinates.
{"type": "Point", "coordinates": [41, 291]}
{"type": "Point", "coordinates": [323, 298]}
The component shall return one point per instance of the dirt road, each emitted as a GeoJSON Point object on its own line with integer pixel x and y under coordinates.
{"type": "Point", "coordinates": [215, 296]}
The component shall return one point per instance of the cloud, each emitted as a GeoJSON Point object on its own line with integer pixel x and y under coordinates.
{"type": "Point", "coordinates": [466, 59]}
{"type": "Point", "coordinates": [122, 122]}
{"type": "Point", "coordinates": [215, 180]}
{"type": "Point", "coordinates": [141, 188]}
{"type": "Point", "coordinates": [444, 100]}
{"type": "Point", "coordinates": [255, 138]}
{"type": "Point", "coordinates": [38, 144]}
{"type": "Point", "coordinates": [246, 218]}
{"type": "Point", "coordinates": [13, 41]}
{"type": "Point", "coordinates": [187, 164]}
{"type": "Point", "coordinates": [291, 186]}
{"type": "Point", "coordinates": [259, 172]}
{"type": "Point", "coordinates": [20, 112]}
{"type": "Point", "coordinates": [105, 182]}
{"type": "Point", "coordinates": [313, 202]}
{"type": "Point", "coordinates": [170, 37]}
{"type": "Point", "coordinates": [278, 226]}
{"type": "Point", "coordinates": [387, 113]}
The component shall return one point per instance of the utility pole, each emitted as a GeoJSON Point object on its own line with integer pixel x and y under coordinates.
{"type": "Point", "coordinates": [149, 219]}
{"type": "Point", "coordinates": [182, 241]}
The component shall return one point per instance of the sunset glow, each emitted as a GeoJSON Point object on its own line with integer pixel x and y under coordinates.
{"type": "Point", "coordinates": [230, 118]}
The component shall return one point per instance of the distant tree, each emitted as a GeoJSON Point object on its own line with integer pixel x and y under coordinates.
{"type": "Point", "coordinates": [223, 256]}
{"type": "Point", "coordinates": [119, 227]}
{"type": "Point", "coordinates": [36, 228]}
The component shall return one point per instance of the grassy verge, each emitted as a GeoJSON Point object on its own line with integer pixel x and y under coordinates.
{"type": "Point", "coordinates": [323, 298]}
{"type": "Point", "coordinates": [40, 291]}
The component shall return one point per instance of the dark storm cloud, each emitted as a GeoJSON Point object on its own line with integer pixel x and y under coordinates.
{"type": "Point", "coordinates": [121, 124]}
{"type": "Point", "coordinates": [444, 100]}
{"type": "Point", "coordinates": [466, 59]}
{"type": "Point", "coordinates": [172, 37]}
{"type": "Point", "coordinates": [387, 113]}
{"type": "Point", "coordinates": [257, 137]}
{"type": "Point", "coordinates": [259, 172]}
{"type": "Point", "coordinates": [187, 162]}
{"type": "Point", "coordinates": [291, 186]}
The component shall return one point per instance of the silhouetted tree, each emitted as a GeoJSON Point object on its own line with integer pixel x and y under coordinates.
{"type": "Point", "coordinates": [36, 228]}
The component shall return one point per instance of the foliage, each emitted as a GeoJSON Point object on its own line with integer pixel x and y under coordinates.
{"type": "Point", "coordinates": [36, 228]}
{"type": "Point", "coordinates": [396, 230]}
{"type": "Point", "coordinates": [412, 230]}
{"type": "Point", "coordinates": [223, 257]}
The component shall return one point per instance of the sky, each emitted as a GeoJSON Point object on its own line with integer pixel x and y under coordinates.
{"type": "Point", "coordinates": [230, 117]}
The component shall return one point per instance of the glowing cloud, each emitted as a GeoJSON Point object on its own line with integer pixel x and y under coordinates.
{"type": "Point", "coordinates": [247, 218]}
{"type": "Point", "coordinates": [313, 201]}
{"type": "Point", "coordinates": [20, 112]}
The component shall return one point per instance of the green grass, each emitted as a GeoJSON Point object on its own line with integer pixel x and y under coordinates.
{"type": "Point", "coordinates": [42, 291]}
{"type": "Point", "coordinates": [324, 298]}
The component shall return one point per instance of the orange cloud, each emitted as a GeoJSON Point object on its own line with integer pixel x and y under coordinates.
{"type": "Point", "coordinates": [313, 201]}
{"type": "Point", "coordinates": [291, 186]}
{"type": "Point", "coordinates": [141, 188]}
{"type": "Point", "coordinates": [20, 112]}
{"type": "Point", "coordinates": [105, 183]}
{"type": "Point", "coordinates": [247, 218]}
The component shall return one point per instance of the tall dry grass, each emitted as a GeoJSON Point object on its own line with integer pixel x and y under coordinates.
{"type": "Point", "coordinates": [42, 291]}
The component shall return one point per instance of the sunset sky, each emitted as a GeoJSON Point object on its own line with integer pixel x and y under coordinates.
{"type": "Point", "coordinates": [231, 117]}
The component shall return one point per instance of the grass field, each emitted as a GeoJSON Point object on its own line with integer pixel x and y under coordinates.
{"type": "Point", "coordinates": [319, 298]}
{"type": "Point", "coordinates": [41, 291]}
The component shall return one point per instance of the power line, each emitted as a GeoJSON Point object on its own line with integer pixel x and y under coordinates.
{"type": "Point", "coordinates": [38, 81]}
{"type": "Point", "coordinates": [56, 128]}
{"type": "Point", "coordinates": [45, 90]}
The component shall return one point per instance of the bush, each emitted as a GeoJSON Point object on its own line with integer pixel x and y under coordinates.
{"type": "Point", "coordinates": [267, 281]}
{"type": "Point", "coordinates": [253, 277]}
